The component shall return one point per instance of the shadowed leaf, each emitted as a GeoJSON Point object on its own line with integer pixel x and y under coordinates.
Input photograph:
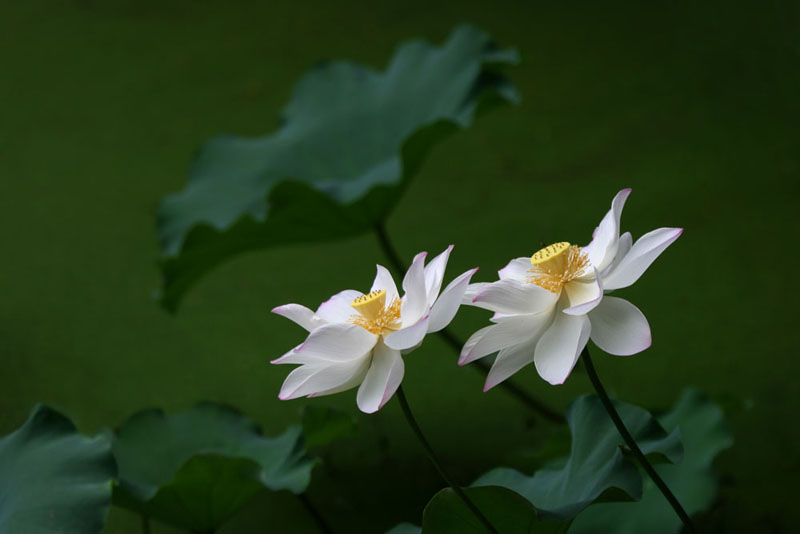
{"type": "Point", "coordinates": [351, 139]}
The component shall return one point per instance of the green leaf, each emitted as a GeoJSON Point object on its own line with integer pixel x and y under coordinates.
{"type": "Point", "coordinates": [705, 434]}
{"type": "Point", "coordinates": [351, 139]}
{"type": "Point", "coordinates": [405, 528]}
{"type": "Point", "coordinates": [323, 424]}
{"type": "Point", "coordinates": [52, 479]}
{"type": "Point", "coordinates": [196, 468]}
{"type": "Point", "coordinates": [596, 467]}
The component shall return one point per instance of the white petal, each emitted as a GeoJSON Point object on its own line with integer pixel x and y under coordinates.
{"type": "Point", "coordinates": [619, 327]}
{"type": "Point", "coordinates": [355, 380]}
{"type": "Point", "coordinates": [383, 280]}
{"type": "Point", "coordinates": [584, 296]}
{"type": "Point", "coordinates": [446, 306]}
{"type": "Point", "coordinates": [644, 252]}
{"type": "Point", "coordinates": [315, 379]}
{"type": "Point", "coordinates": [472, 291]}
{"type": "Point", "coordinates": [337, 342]}
{"type": "Point", "coordinates": [434, 273]}
{"type": "Point", "coordinates": [605, 239]}
{"type": "Point", "coordinates": [415, 300]}
{"type": "Point", "coordinates": [506, 333]}
{"type": "Point", "coordinates": [408, 337]}
{"type": "Point", "coordinates": [382, 379]}
{"type": "Point", "coordinates": [338, 309]}
{"type": "Point", "coordinates": [294, 357]}
{"type": "Point", "coordinates": [300, 315]}
{"type": "Point", "coordinates": [560, 345]}
{"type": "Point", "coordinates": [517, 269]}
{"type": "Point", "coordinates": [513, 296]}
{"type": "Point", "coordinates": [625, 243]}
{"type": "Point", "coordinates": [509, 361]}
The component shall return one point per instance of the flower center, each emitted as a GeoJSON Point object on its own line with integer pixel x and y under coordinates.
{"type": "Point", "coordinates": [555, 265]}
{"type": "Point", "coordinates": [374, 315]}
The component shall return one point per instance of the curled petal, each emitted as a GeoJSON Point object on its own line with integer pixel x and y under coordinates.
{"type": "Point", "coordinates": [506, 333]}
{"type": "Point", "coordinates": [584, 296]}
{"type": "Point", "coordinates": [472, 292]}
{"type": "Point", "coordinates": [559, 347]}
{"type": "Point", "coordinates": [383, 280]}
{"type": "Point", "coordinates": [434, 273]}
{"type": "Point", "coordinates": [517, 269]}
{"type": "Point", "coordinates": [338, 309]}
{"type": "Point", "coordinates": [513, 296]}
{"type": "Point", "coordinates": [317, 379]}
{"type": "Point", "coordinates": [300, 315]}
{"type": "Point", "coordinates": [408, 337]}
{"type": "Point", "coordinates": [446, 306]}
{"type": "Point", "coordinates": [625, 244]}
{"type": "Point", "coordinates": [337, 342]}
{"type": "Point", "coordinates": [382, 379]}
{"type": "Point", "coordinates": [605, 239]}
{"type": "Point", "coordinates": [415, 300]}
{"type": "Point", "coordinates": [509, 361]}
{"type": "Point", "coordinates": [644, 252]}
{"type": "Point", "coordinates": [619, 327]}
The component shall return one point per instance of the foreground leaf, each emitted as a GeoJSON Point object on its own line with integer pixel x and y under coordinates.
{"type": "Point", "coordinates": [196, 468]}
{"type": "Point", "coordinates": [704, 434]}
{"type": "Point", "coordinates": [596, 467]}
{"type": "Point", "coordinates": [52, 479]}
{"type": "Point", "coordinates": [352, 138]}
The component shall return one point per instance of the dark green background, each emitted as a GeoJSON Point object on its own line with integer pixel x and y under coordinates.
{"type": "Point", "coordinates": [694, 106]}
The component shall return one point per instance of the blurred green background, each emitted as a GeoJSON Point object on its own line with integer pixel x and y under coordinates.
{"type": "Point", "coordinates": [694, 106]}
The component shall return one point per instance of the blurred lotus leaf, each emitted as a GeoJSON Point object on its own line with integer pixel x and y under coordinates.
{"type": "Point", "coordinates": [196, 468]}
{"type": "Point", "coordinates": [52, 479]}
{"type": "Point", "coordinates": [597, 467]}
{"type": "Point", "coordinates": [323, 424]}
{"type": "Point", "coordinates": [351, 139]}
{"type": "Point", "coordinates": [704, 434]}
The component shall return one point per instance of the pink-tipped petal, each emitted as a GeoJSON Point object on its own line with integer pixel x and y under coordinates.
{"type": "Point", "coordinates": [625, 244]}
{"type": "Point", "coordinates": [338, 309]}
{"type": "Point", "coordinates": [446, 306]}
{"type": "Point", "coordinates": [513, 296]}
{"type": "Point", "coordinates": [517, 269]}
{"type": "Point", "coordinates": [559, 347]}
{"type": "Point", "coordinates": [605, 239]}
{"type": "Point", "coordinates": [509, 332]}
{"type": "Point", "coordinates": [509, 361]}
{"type": "Point", "coordinates": [384, 281]}
{"type": "Point", "coordinates": [317, 379]}
{"type": "Point", "coordinates": [619, 327]}
{"type": "Point", "coordinates": [472, 291]}
{"type": "Point", "coordinates": [415, 300]}
{"type": "Point", "coordinates": [434, 273]}
{"type": "Point", "coordinates": [382, 379]}
{"type": "Point", "coordinates": [641, 255]}
{"type": "Point", "coordinates": [408, 337]}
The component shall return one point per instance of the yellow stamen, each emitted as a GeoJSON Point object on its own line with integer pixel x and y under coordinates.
{"type": "Point", "coordinates": [374, 315]}
{"type": "Point", "coordinates": [557, 264]}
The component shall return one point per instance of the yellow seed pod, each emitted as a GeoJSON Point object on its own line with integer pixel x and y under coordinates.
{"type": "Point", "coordinates": [549, 253]}
{"type": "Point", "coordinates": [371, 304]}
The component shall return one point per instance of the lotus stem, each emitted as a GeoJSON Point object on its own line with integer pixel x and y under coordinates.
{"type": "Point", "coordinates": [401, 396]}
{"type": "Point", "coordinates": [631, 443]}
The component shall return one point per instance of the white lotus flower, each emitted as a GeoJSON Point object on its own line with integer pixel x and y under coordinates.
{"type": "Point", "coordinates": [358, 338]}
{"type": "Point", "coordinates": [548, 306]}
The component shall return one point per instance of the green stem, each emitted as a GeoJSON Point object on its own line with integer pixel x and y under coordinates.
{"type": "Point", "coordinates": [145, 524]}
{"type": "Point", "coordinates": [509, 385]}
{"type": "Point", "coordinates": [401, 396]}
{"type": "Point", "coordinates": [612, 412]}
{"type": "Point", "coordinates": [315, 514]}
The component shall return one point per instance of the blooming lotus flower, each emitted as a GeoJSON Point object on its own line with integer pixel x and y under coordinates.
{"type": "Point", "coordinates": [548, 306]}
{"type": "Point", "coordinates": [358, 339]}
